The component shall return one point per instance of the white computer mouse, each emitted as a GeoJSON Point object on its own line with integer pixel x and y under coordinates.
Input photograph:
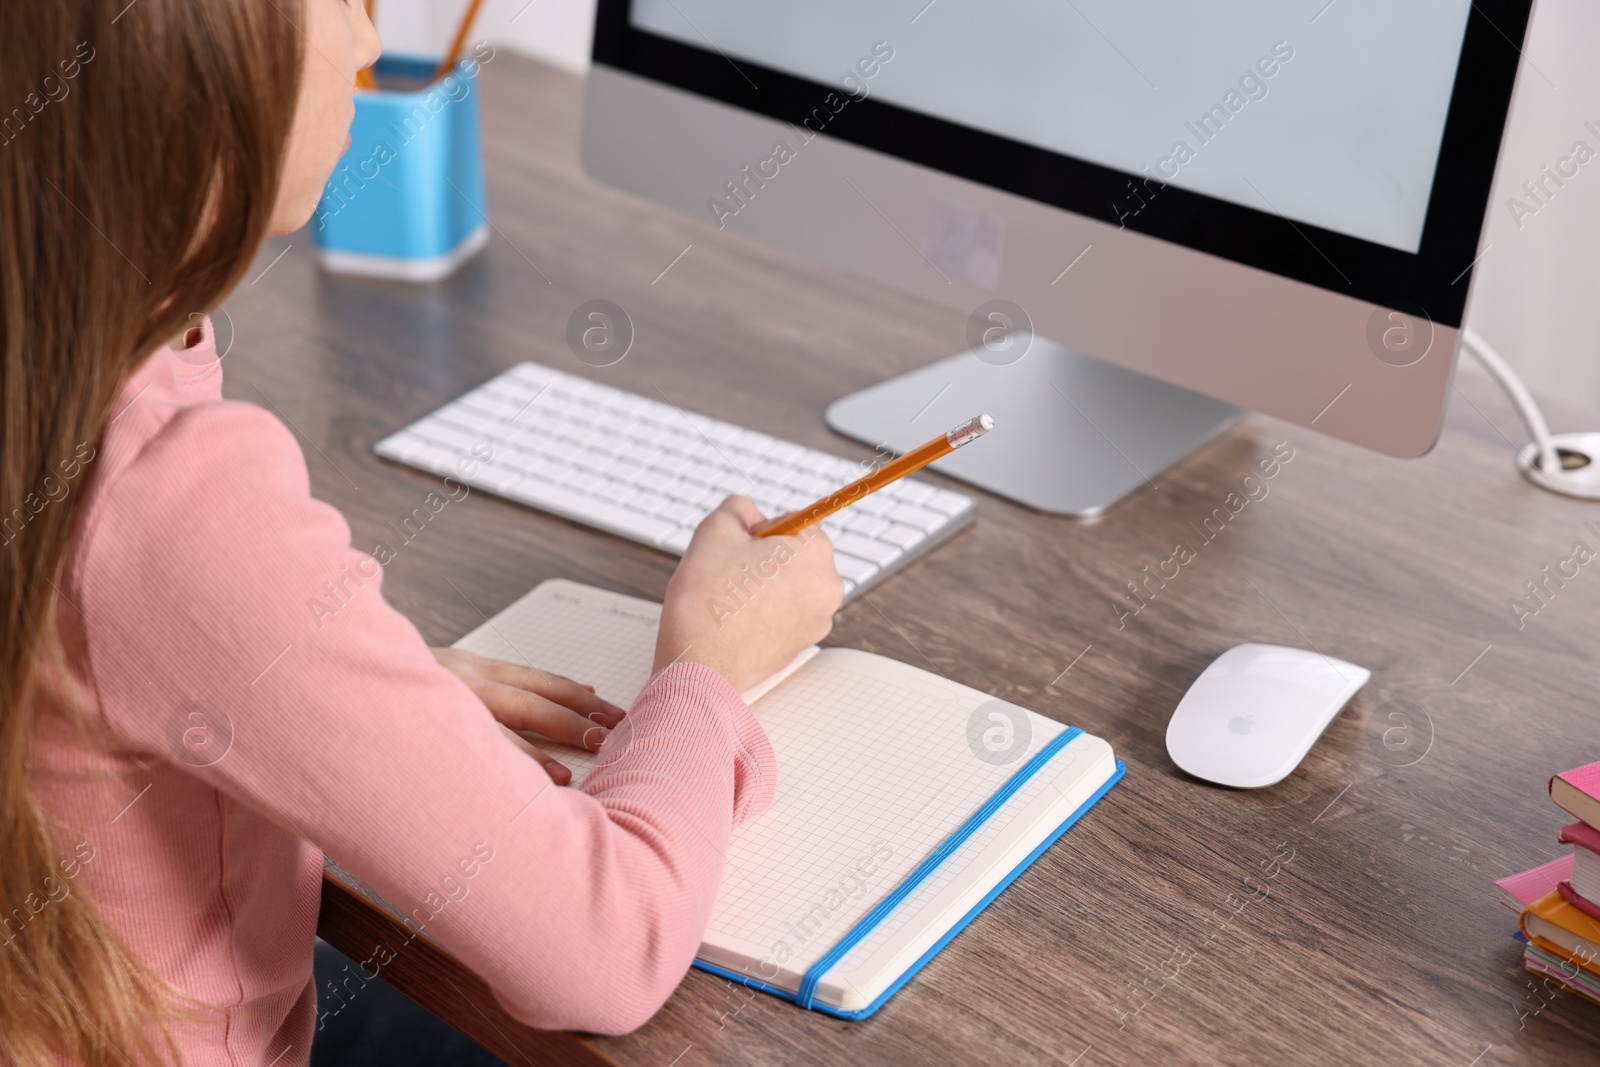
{"type": "Point", "coordinates": [1252, 716]}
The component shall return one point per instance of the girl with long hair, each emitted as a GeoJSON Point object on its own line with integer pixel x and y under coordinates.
{"type": "Point", "coordinates": [158, 545]}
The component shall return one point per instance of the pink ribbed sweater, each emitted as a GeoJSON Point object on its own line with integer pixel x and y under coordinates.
{"type": "Point", "coordinates": [245, 740]}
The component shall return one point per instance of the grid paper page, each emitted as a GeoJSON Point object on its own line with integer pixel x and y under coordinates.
{"type": "Point", "coordinates": [1040, 785]}
{"type": "Point", "coordinates": [875, 769]}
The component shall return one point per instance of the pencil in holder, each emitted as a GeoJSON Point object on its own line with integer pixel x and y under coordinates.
{"type": "Point", "coordinates": [407, 199]}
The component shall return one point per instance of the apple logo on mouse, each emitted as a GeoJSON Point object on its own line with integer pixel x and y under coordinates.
{"type": "Point", "coordinates": [1240, 724]}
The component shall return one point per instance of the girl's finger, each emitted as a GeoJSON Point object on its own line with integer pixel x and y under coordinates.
{"type": "Point", "coordinates": [559, 774]}
{"type": "Point", "coordinates": [522, 710]}
{"type": "Point", "coordinates": [564, 691]}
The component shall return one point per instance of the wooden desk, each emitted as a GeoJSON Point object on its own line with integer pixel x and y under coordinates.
{"type": "Point", "coordinates": [1382, 941]}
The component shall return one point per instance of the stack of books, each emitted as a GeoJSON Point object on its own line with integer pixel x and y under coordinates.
{"type": "Point", "coordinates": [1559, 901]}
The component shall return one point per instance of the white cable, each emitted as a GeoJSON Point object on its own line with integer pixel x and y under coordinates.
{"type": "Point", "coordinates": [1523, 400]}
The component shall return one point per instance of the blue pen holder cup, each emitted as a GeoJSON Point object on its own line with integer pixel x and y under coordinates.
{"type": "Point", "coordinates": [407, 200]}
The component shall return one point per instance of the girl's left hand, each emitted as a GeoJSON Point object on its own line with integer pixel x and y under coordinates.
{"type": "Point", "coordinates": [525, 698]}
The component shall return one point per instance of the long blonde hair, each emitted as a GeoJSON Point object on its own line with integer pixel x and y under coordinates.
{"type": "Point", "coordinates": [139, 166]}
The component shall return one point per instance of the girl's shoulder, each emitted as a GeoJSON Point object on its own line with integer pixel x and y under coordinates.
{"type": "Point", "coordinates": [177, 458]}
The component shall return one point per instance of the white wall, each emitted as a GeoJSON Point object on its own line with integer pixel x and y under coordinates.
{"type": "Point", "coordinates": [556, 31]}
{"type": "Point", "coordinates": [1537, 292]}
{"type": "Point", "coordinates": [1537, 298]}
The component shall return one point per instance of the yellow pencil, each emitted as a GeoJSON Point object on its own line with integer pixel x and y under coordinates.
{"type": "Point", "coordinates": [456, 45]}
{"type": "Point", "coordinates": [892, 471]}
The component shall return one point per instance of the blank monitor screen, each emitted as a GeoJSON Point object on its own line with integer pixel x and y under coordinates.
{"type": "Point", "coordinates": [1265, 184]}
{"type": "Point", "coordinates": [1333, 119]}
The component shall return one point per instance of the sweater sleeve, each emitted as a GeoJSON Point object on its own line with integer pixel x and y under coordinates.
{"type": "Point", "coordinates": [206, 585]}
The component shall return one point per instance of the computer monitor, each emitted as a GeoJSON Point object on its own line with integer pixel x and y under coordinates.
{"type": "Point", "coordinates": [1156, 213]}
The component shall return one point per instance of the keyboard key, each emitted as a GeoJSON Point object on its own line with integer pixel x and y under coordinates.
{"type": "Point", "coordinates": [719, 455]}
{"type": "Point", "coordinates": [534, 454]}
{"type": "Point", "coordinates": [770, 471]}
{"type": "Point", "coordinates": [494, 405]}
{"type": "Point", "coordinates": [809, 483]}
{"type": "Point", "coordinates": [921, 518]}
{"type": "Point", "coordinates": [649, 503]}
{"type": "Point", "coordinates": [904, 536]}
{"type": "Point", "coordinates": [497, 477]}
{"type": "Point", "coordinates": [648, 436]}
{"type": "Point", "coordinates": [585, 508]}
{"type": "Point", "coordinates": [610, 444]}
{"type": "Point", "coordinates": [437, 457]}
{"type": "Point", "coordinates": [915, 492]}
{"type": "Point", "coordinates": [879, 552]}
{"type": "Point", "coordinates": [852, 569]}
{"type": "Point", "coordinates": [551, 470]}
{"type": "Point", "coordinates": [660, 414]}
{"type": "Point", "coordinates": [655, 482]}
{"type": "Point", "coordinates": [509, 433]}
{"type": "Point", "coordinates": [792, 500]}
{"type": "Point", "coordinates": [632, 471]}
{"type": "Point", "coordinates": [460, 417]}
{"type": "Point", "coordinates": [681, 490]}
{"type": "Point", "coordinates": [581, 480]}
{"type": "Point", "coordinates": [864, 524]}
{"type": "Point", "coordinates": [707, 498]}
{"type": "Point", "coordinates": [772, 448]}
{"type": "Point", "coordinates": [402, 446]}
{"type": "Point", "coordinates": [633, 450]}
{"type": "Point", "coordinates": [722, 432]}
{"type": "Point", "coordinates": [592, 461]}
{"type": "Point", "coordinates": [532, 416]}
{"type": "Point", "coordinates": [847, 471]}
{"type": "Point", "coordinates": [948, 502]}
{"type": "Point", "coordinates": [815, 463]}
{"type": "Point", "coordinates": [682, 514]}
{"type": "Point", "coordinates": [875, 504]}
{"type": "Point", "coordinates": [587, 435]}
{"type": "Point", "coordinates": [615, 491]}
{"type": "Point", "coordinates": [540, 404]}
{"type": "Point", "coordinates": [705, 473]}
{"type": "Point", "coordinates": [628, 403]}
{"type": "Point", "coordinates": [754, 441]}
{"type": "Point", "coordinates": [673, 463]}
{"type": "Point", "coordinates": [452, 436]}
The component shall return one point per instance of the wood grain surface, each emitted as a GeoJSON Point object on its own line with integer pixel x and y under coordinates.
{"type": "Point", "coordinates": [1345, 916]}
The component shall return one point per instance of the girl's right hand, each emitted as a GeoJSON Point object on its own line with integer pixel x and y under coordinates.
{"type": "Point", "coordinates": [745, 605]}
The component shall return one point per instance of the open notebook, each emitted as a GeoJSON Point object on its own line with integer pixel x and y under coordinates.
{"type": "Point", "coordinates": [904, 802]}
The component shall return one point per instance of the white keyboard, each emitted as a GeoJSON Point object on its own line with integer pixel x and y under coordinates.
{"type": "Point", "coordinates": [649, 471]}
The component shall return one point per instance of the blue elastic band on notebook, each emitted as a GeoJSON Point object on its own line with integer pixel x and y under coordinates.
{"type": "Point", "coordinates": [814, 975]}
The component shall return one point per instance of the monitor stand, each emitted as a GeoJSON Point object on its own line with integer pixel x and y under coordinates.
{"type": "Point", "coordinates": [1073, 435]}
